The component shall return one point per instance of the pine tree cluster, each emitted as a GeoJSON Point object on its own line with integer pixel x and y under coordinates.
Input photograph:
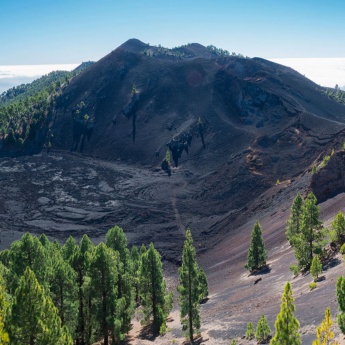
{"type": "Point", "coordinates": [82, 293]}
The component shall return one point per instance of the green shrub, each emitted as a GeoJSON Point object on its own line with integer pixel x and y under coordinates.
{"type": "Point", "coordinates": [342, 249]}
{"type": "Point", "coordinates": [312, 285]}
{"type": "Point", "coordinates": [325, 161]}
{"type": "Point", "coordinates": [263, 330]}
{"type": "Point", "coordinates": [250, 332]}
{"type": "Point", "coordinates": [294, 269]}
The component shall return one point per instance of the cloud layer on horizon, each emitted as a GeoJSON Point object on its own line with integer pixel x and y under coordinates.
{"type": "Point", "coordinates": [322, 71]}
{"type": "Point", "coordinates": [15, 75]}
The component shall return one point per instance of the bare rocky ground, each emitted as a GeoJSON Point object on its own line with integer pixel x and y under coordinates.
{"type": "Point", "coordinates": [63, 194]}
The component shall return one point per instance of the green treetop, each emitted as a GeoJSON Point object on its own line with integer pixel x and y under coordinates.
{"type": "Point", "coordinates": [316, 267]}
{"type": "Point", "coordinates": [257, 254]}
{"type": "Point", "coordinates": [309, 241]}
{"type": "Point", "coordinates": [250, 332]}
{"type": "Point", "coordinates": [338, 227]}
{"type": "Point", "coordinates": [104, 276]}
{"type": "Point", "coordinates": [263, 330]}
{"type": "Point", "coordinates": [116, 240]}
{"type": "Point", "coordinates": [340, 287]}
{"type": "Point", "coordinates": [4, 338]}
{"type": "Point", "coordinates": [286, 324]}
{"type": "Point", "coordinates": [293, 226]}
{"type": "Point", "coordinates": [64, 291]}
{"type": "Point", "coordinates": [155, 299]}
{"type": "Point", "coordinates": [33, 318]}
{"type": "Point", "coordinates": [189, 288]}
{"type": "Point", "coordinates": [324, 333]}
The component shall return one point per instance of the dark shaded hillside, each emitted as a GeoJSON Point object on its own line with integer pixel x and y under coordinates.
{"type": "Point", "coordinates": [234, 126]}
{"type": "Point", "coordinates": [261, 121]}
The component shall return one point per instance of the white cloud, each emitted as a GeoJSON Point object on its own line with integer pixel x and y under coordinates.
{"type": "Point", "coordinates": [20, 74]}
{"type": "Point", "coordinates": [323, 71]}
{"type": "Point", "coordinates": [32, 70]}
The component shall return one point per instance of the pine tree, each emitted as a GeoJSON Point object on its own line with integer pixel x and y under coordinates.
{"type": "Point", "coordinates": [286, 324]}
{"type": "Point", "coordinates": [250, 332]}
{"type": "Point", "coordinates": [189, 288]}
{"type": "Point", "coordinates": [324, 333]}
{"type": "Point", "coordinates": [63, 291]}
{"type": "Point", "coordinates": [69, 248]}
{"type": "Point", "coordinates": [311, 235]}
{"type": "Point", "coordinates": [316, 267]}
{"type": "Point", "coordinates": [263, 329]}
{"type": "Point", "coordinates": [28, 252]}
{"type": "Point", "coordinates": [80, 262]}
{"type": "Point", "coordinates": [338, 227]}
{"type": "Point", "coordinates": [135, 265]}
{"type": "Point", "coordinates": [4, 338]}
{"type": "Point", "coordinates": [116, 240]}
{"type": "Point", "coordinates": [203, 285]}
{"type": "Point", "coordinates": [38, 322]}
{"type": "Point", "coordinates": [293, 227]}
{"type": "Point", "coordinates": [155, 299]}
{"type": "Point", "coordinates": [257, 254]}
{"type": "Point", "coordinates": [104, 276]}
{"type": "Point", "coordinates": [340, 287]}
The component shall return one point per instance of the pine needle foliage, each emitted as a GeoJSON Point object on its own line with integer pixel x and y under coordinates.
{"type": "Point", "coordinates": [312, 233]}
{"type": "Point", "coordinates": [38, 322]}
{"type": "Point", "coordinates": [316, 267]}
{"type": "Point", "coordinates": [189, 288]}
{"type": "Point", "coordinates": [293, 226]}
{"type": "Point", "coordinates": [263, 330]}
{"type": "Point", "coordinates": [338, 227]}
{"type": "Point", "coordinates": [155, 299]}
{"type": "Point", "coordinates": [340, 287]}
{"type": "Point", "coordinates": [257, 254]}
{"type": "Point", "coordinates": [4, 338]}
{"type": "Point", "coordinates": [324, 333]}
{"type": "Point", "coordinates": [250, 332]}
{"type": "Point", "coordinates": [286, 324]}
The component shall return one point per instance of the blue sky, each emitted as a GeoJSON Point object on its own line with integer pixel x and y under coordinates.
{"type": "Point", "coordinates": [71, 31]}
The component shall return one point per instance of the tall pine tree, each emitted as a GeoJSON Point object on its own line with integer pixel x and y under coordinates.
{"type": "Point", "coordinates": [293, 227]}
{"type": "Point", "coordinates": [286, 324]}
{"type": "Point", "coordinates": [338, 228]}
{"type": "Point", "coordinates": [63, 291]}
{"type": "Point", "coordinates": [155, 299]}
{"type": "Point", "coordinates": [340, 287]}
{"type": "Point", "coordinates": [324, 333]}
{"type": "Point", "coordinates": [309, 241]}
{"type": "Point", "coordinates": [116, 240]}
{"type": "Point", "coordinates": [4, 338]}
{"type": "Point", "coordinates": [257, 254]}
{"type": "Point", "coordinates": [79, 260]}
{"type": "Point", "coordinates": [28, 252]}
{"type": "Point", "coordinates": [104, 276]}
{"type": "Point", "coordinates": [189, 288]}
{"type": "Point", "coordinates": [33, 318]}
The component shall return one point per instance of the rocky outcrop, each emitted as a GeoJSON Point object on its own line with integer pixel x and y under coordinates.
{"type": "Point", "coordinates": [329, 180]}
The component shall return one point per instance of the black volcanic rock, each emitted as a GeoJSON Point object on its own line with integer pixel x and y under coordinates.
{"type": "Point", "coordinates": [234, 127]}
{"type": "Point", "coordinates": [264, 121]}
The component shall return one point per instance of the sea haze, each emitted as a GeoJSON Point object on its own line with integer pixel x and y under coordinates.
{"type": "Point", "coordinates": [322, 71]}
{"type": "Point", "coordinates": [14, 75]}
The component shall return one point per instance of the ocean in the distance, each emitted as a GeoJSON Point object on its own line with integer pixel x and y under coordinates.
{"type": "Point", "coordinates": [14, 75]}
{"type": "Point", "coordinates": [323, 71]}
